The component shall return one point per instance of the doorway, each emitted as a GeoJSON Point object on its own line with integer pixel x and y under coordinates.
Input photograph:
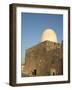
{"type": "Point", "coordinates": [53, 71]}
{"type": "Point", "coordinates": [34, 72]}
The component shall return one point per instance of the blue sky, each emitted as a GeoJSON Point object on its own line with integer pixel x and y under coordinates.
{"type": "Point", "coordinates": [32, 26]}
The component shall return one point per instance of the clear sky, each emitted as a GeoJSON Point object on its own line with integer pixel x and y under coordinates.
{"type": "Point", "coordinates": [32, 26]}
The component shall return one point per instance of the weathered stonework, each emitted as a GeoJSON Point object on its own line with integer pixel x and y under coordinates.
{"type": "Point", "coordinates": [44, 59]}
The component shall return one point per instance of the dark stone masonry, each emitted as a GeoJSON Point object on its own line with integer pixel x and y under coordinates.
{"type": "Point", "coordinates": [44, 59]}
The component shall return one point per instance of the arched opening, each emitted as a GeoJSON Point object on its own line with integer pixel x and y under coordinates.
{"type": "Point", "coordinates": [34, 72]}
{"type": "Point", "coordinates": [52, 71]}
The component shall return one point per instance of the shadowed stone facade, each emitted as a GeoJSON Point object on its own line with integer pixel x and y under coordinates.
{"type": "Point", "coordinates": [44, 59]}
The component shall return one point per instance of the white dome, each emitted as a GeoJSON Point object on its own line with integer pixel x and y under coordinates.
{"type": "Point", "coordinates": [49, 34]}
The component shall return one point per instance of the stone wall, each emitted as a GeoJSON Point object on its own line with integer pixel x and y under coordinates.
{"type": "Point", "coordinates": [43, 59]}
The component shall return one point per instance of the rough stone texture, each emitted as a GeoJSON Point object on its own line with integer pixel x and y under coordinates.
{"type": "Point", "coordinates": [44, 59]}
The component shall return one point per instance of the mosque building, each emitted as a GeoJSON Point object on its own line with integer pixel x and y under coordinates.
{"type": "Point", "coordinates": [45, 58]}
